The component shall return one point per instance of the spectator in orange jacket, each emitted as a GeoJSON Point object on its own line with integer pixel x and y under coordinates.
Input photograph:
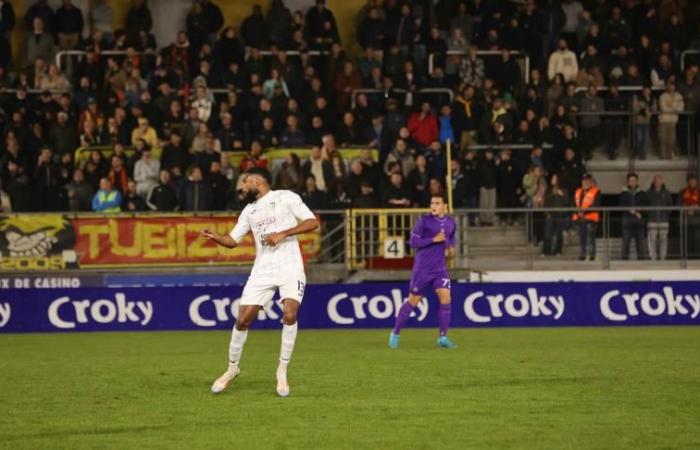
{"type": "Point", "coordinates": [423, 125]}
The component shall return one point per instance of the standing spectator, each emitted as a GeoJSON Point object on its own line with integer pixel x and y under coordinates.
{"type": "Point", "coordinates": [423, 125]}
{"type": "Point", "coordinates": [254, 29]}
{"type": "Point", "coordinates": [146, 172]}
{"type": "Point", "coordinates": [632, 220]}
{"type": "Point", "coordinates": [446, 130]}
{"type": "Point", "coordinates": [42, 10]}
{"type": "Point", "coordinates": [615, 125]}
{"type": "Point", "coordinates": [488, 181]}
{"type": "Point", "coordinates": [196, 194]}
{"type": "Point", "coordinates": [555, 221]}
{"type": "Point", "coordinates": [62, 137]}
{"type": "Point", "coordinates": [292, 135]}
{"type": "Point", "coordinates": [657, 222]}
{"type": "Point", "coordinates": [101, 19]}
{"type": "Point", "coordinates": [131, 200]}
{"type": "Point", "coordinates": [371, 30]}
{"type": "Point", "coordinates": [690, 198]}
{"type": "Point", "coordinates": [344, 83]}
{"type": "Point", "coordinates": [401, 155]}
{"type": "Point", "coordinates": [644, 106]}
{"type": "Point", "coordinates": [563, 61]}
{"type": "Point", "coordinates": [69, 25]}
{"type": "Point", "coordinates": [47, 182]}
{"type": "Point", "coordinates": [7, 19]}
{"type": "Point", "coordinates": [279, 23]}
{"type": "Point", "coordinates": [690, 90]}
{"type": "Point", "coordinates": [418, 179]}
{"type": "Point", "coordinates": [466, 117]}
{"type": "Point", "coordinates": [79, 193]}
{"type": "Point", "coordinates": [163, 197]}
{"type": "Point", "coordinates": [572, 13]}
{"type": "Point", "coordinates": [378, 136]}
{"type": "Point", "coordinates": [220, 187]}
{"type": "Point", "coordinates": [571, 171]}
{"type": "Point", "coordinates": [509, 185]}
{"type": "Point", "coordinates": [40, 43]}
{"type": "Point", "coordinates": [107, 200]}
{"type": "Point", "coordinates": [670, 104]}
{"type": "Point", "coordinates": [471, 69]}
{"type": "Point", "coordinates": [586, 200]}
{"type": "Point", "coordinates": [138, 19]}
{"type": "Point", "coordinates": [590, 121]}
{"type": "Point", "coordinates": [174, 152]}
{"type": "Point", "coordinates": [320, 22]}
{"type": "Point", "coordinates": [212, 19]}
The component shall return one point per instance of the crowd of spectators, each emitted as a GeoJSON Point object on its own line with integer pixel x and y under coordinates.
{"type": "Point", "coordinates": [216, 91]}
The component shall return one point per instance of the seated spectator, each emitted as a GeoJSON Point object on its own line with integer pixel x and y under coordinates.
{"type": "Point", "coordinates": [196, 194]}
{"type": "Point", "coordinates": [395, 195]}
{"type": "Point", "coordinates": [378, 135]}
{"type": "Point", "coordinates": [146, 173]}
{"type": "Point", "coordinates": [367, 198]}
{"type": "Point", "coordinates": [313, 197]}
{"type": "Point", "coordinates": [347, 133]}
{"type": "Point", "coordinates": [292, 136]}
{"type": "Point", "coordinates": [563, 61]}
{"type": "Point", "coordinates": [53, 80]}
{"type": "Point", "coordinates": [163, 197]}
{"type": "Point", "coordinates": [132, 201]}
{"type": "Point", "coordinates": [118, 176]}
{"type": "Point", "coordinates": [229, 135]}
{"type": "Point", "coordinates": [472, 70]}
{"type": "Point", "coordinates": [320, 168]}
{"type": "Point", "coordinates": [267, 136]}
{"type": "Point", "coordinates": [146, 132]}
{"type": "Point", "coordinates": [106, 199]}
{"type": "Point", "coordinates": [401, 155]}
{"type": "Point", "coordinates": [290, 175]}
{"type": "Point", "coordinates": [254, 158]}
{"type": "Point", "coordinates": [5, 201]}
{"type": "Point", "coordinates": [423, 125]}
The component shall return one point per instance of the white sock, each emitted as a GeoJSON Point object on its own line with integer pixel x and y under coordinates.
{"type": "Point", "coordinates": [289, 336]}
{"type": "Point", "coordinates": [235, 348]}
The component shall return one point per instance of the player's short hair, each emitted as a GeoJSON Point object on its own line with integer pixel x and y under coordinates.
{"type": "Point", "coordinates": [261, 173]}
{"type": "Point", "coordinates": [442, 196]}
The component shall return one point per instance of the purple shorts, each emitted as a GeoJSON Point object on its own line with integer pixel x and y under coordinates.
{"type": "Point", "coordinates": [421, 281]}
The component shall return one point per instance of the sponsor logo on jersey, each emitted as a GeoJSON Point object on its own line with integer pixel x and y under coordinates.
{"type": "Point", "coordinates": [344, 309]}
{"type": "Point", "coordinates": [65, 313]}
{"type": "Point", "coordinates": [483, 308]}
{"type": "Point", "coordinates": [618, 306]}
{"type": "Point", "coordinates": [5, 313]}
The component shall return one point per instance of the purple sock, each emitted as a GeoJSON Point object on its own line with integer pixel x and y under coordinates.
{"type": "Point", "coordinates": [444, 315]}
{"type": "Point", "coordinates": [404, 314]}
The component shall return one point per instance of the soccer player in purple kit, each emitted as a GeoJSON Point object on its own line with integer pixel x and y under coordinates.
{"type": "Point", "coordinates": [433, 237]}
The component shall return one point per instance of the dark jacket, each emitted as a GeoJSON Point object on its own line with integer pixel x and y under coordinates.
{"type": "Point", "coordinates": [196, 196]}
{"type": "Point", "coordinates": [163, 198]}
{"type": "Point", "coordinates": [633, 199]}
{"type": "Point", "coordinates": [660, 198]}
{"type": "Point", "coordinates": [488, 174]}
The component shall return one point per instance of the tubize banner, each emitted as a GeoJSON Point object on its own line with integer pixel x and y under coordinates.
{"type": "Point", "coordinates": [368, 305]}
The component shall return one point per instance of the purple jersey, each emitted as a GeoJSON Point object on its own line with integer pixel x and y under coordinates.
{"type": "Point", "coordinates": [430, 256]}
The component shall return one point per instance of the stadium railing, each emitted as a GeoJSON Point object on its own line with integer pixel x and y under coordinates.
{"type": "Point", "coordinates": [684, 56]}
{"type": "Point", "coordinates": [388, 93]}
{"type": "Point", "coordinates": [487, 53]}
{"type": "Point", "coordinates": [379, 238]}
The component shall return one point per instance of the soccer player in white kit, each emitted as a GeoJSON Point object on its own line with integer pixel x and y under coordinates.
{"type": "Point", "coordinates": [275, 218]}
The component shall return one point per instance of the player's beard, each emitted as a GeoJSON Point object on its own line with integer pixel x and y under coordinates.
{"type": "Point", "coordinates": [250, 195]}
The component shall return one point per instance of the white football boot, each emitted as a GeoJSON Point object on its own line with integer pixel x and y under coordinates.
{"type": "Point", "coordinates": [221, 383]}
{"type": "Point", "coordinates": [282, 384]}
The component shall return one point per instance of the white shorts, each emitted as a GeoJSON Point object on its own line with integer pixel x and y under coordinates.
{"type": "Point", "coordinates": [260, 290]}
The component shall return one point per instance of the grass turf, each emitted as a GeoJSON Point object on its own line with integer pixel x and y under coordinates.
{"type": "Point", "coordinates": [576, 388]}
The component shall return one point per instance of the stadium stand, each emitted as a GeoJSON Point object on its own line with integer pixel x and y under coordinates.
{"type": "Point", "coordinates": [531, 95]}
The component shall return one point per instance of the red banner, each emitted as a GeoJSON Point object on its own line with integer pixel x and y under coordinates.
{"type": "Point", "coordinates": [164, 241]}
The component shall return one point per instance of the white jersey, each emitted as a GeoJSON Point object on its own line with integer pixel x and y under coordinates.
{"type": "Point", "coordinates": [274, 212]}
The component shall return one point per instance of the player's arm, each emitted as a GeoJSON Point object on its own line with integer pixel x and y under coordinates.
{"type": "Point", "coordinates": [307, 220]}
{"type": "Point", "coordinates": [221, 239]}
{"type": "Point", "coordinates": [418, 240]}
{"type": "Point", "coordinates": [234, 238]}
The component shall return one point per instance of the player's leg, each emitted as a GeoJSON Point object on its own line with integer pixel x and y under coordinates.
{"type": "Point", "coordinates": [292, 293]}
{"type": "Point", "coordinates": [255, 294]}
{"type": "Point", "coordinates": [403, 315]}
{"type": "Point", "coordinates": [239, 334]}
{"type": "Point", "coordinates": [442, 289]}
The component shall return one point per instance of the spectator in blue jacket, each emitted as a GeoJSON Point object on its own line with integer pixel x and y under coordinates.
{"type": "Point", "coordinates": [107, 200]}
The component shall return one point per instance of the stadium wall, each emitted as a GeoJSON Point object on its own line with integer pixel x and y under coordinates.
{"type": "Point", "coordinates": [26, 306]}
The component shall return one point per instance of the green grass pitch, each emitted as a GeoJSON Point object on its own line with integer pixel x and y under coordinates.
{"type": "Point", "coordinates": [565, 388]}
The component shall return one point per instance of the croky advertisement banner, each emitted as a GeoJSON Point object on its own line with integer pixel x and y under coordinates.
{"type": "Point", "coordinates": [45, 242]}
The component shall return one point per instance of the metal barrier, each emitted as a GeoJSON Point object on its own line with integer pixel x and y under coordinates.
{"type": "Point", "coordinates": [686, 53]}
{"type": "Point", "coordinates": [65, 53]}
{"type": "Point", "coordinates": [526, 69]}
{"type": "Point", "coordinates": [621, 88]}
{"type": "Point", "coordinates": [443, 91]}
{"type": "Point", "coordinates": [379, 238]}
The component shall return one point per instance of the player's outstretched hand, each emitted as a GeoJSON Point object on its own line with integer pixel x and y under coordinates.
{"type": "Point", "coordinates": [208, 234]}
{"type": "Point", "coordinates": [273, 239]}
{"type": "Point", "coordinates": [440, 237]}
